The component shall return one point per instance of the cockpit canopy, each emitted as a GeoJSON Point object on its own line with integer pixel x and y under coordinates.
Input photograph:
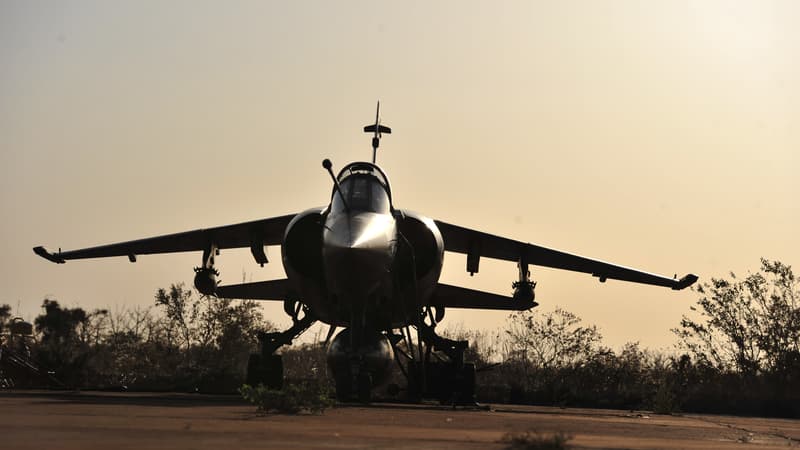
{"type": "Point", "coordinates": [365, 188]}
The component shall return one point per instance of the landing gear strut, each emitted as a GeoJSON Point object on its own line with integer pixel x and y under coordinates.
{"type": "Point", "coordinates": [450, 381]}
{"type": "Point", "coordinates": [266, 367]}
{"type": "Point", "coordinates": [435, 365]}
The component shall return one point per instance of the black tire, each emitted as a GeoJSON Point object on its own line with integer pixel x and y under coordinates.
{"type": "Point", "coordinates": [253, 364]}
{"type": "Point", "coordinates": [364, 387]}
{"type": "Point", "coordinates": [343, 388]}
{"type": "Point", "coordinates": [443, 382]}
{"type": "Point", "coordinates": [393, 390]}
{"type": "Point", "coordinates": [414, 387]}
{"type": "Point", "coordinates": [265, 370]}
{"type": "Point", "coordinates": [274, 372]}
{"type": "Point", "coordinates": [467, 388]}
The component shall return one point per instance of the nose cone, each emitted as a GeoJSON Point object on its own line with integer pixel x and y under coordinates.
{"type": "Point", "coordinates": [357, 250]}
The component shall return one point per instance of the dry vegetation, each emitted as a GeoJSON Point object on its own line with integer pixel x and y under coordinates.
{"type": "Point", "coordinates": [741, 352]}
{"type": "Point", "coordinates": [532, 440]}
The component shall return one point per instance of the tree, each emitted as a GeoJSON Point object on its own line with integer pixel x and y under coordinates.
{"type": "Point", "coordinates": [227, 332]}
{"type": "Point", "coordinates": [482, 348]}
{"type": "Point", "coordinates": [181, 311]}
{"type": "Point", "coordinates": [5, 317]}
{"type": "Point", "coordinates": [207, 339]}
{"type": "Point", "coordinates": [551, 340]}
{"type": "Point", "coordinates": [66, 337]}
{"type": "Point", "coordinates": [749, 325]}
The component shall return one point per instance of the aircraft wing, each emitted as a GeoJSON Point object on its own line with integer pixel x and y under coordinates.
{"type": "Point", "coordinates": [261, 290]}
{"type": "Point", "coordinates": [255, 234]}
{"type": "Point", "coordinates": [458, 297]}
{"type": "Point", "coordinates": [464, 240]}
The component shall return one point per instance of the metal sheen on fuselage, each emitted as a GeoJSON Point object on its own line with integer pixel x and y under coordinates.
{"type": "Point", "coordinates": [363, 251]}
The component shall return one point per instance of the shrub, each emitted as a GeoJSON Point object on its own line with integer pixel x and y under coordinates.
{"type": "Point", "coordinates": [532, 440]}
{"type": "Point", "coordinates": [292, 399]}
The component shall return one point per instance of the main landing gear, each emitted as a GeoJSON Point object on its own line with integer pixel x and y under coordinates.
{"type": "Point", "coordinates": [435, 366]}
{"type": "Point", "coordinates": [266, 367]}
{"type": "Point", "coordinates": [450, 380]}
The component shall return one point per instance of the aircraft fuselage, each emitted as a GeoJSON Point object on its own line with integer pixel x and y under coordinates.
{"type": "Point", "coordinates": [376, 265]}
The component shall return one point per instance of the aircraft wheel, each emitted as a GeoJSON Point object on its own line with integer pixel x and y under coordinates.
{"type": "Point", "coordinates": [252, 369]}
{"type": "Point", "coordinates": [442, 381]}
{"type": "Point", "coordinates": [467, 385]}
{"type": "Point", "coordinates": [266, 370]}
{"type": "Point", "coordinates": [343, 387]}
{"type": "Point", "coordinates": [364, 387]}
{"type": "Point", "coordinates": [393, 390]}
{"type": "Point", "coordinates": [414, 388]}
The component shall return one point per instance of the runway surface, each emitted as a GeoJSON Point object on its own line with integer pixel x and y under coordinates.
{"type": "Point", "coordinates": [50, 420]}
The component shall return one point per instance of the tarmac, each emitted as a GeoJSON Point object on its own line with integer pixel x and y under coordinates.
{"type": "Point", "coordinates": [87, 420]}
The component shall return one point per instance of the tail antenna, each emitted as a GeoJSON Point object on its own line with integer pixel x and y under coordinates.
{"type": "Point", "coordinates": [377, 129]}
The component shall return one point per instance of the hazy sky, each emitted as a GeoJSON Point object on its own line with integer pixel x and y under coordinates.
{"type": "Point", "coordinates": [658, 135]}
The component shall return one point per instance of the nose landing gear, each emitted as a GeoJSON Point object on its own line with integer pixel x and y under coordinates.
{"type": "Point", "coordinates": [359, 365]}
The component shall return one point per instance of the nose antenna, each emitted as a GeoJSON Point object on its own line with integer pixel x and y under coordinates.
{"type": "Point", "coordinates": [327, 165]}
{"type": "Point", "coordinates": [377, 129]}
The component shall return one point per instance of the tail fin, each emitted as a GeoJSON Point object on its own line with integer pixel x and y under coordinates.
{"type": "Point", "coordinates": [377, 129]}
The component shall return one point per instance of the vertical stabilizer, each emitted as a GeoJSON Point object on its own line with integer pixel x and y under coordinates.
{"type": "Point", "coordinates": [377, 129]}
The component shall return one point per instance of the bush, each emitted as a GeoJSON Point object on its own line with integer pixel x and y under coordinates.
{"type": "Point", "coordinates": [532, 440]}
{"type": "Point", "coordinates": [292, 399]}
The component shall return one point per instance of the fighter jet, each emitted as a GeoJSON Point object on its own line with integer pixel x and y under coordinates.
{"type": "Point", "coordinates": [372, 269]}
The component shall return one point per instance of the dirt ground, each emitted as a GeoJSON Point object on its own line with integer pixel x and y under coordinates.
{"type": "Point", "coordinates": [48, 420]}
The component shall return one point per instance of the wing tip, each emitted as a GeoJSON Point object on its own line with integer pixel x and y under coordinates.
{"type": "Point", "coordinates": [41, 251]}
{"type": "Point", "coordinates": [685, 282]}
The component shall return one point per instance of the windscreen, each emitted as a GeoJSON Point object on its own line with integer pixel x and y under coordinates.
{"type": "Point", "coordinates": [363, 193]}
